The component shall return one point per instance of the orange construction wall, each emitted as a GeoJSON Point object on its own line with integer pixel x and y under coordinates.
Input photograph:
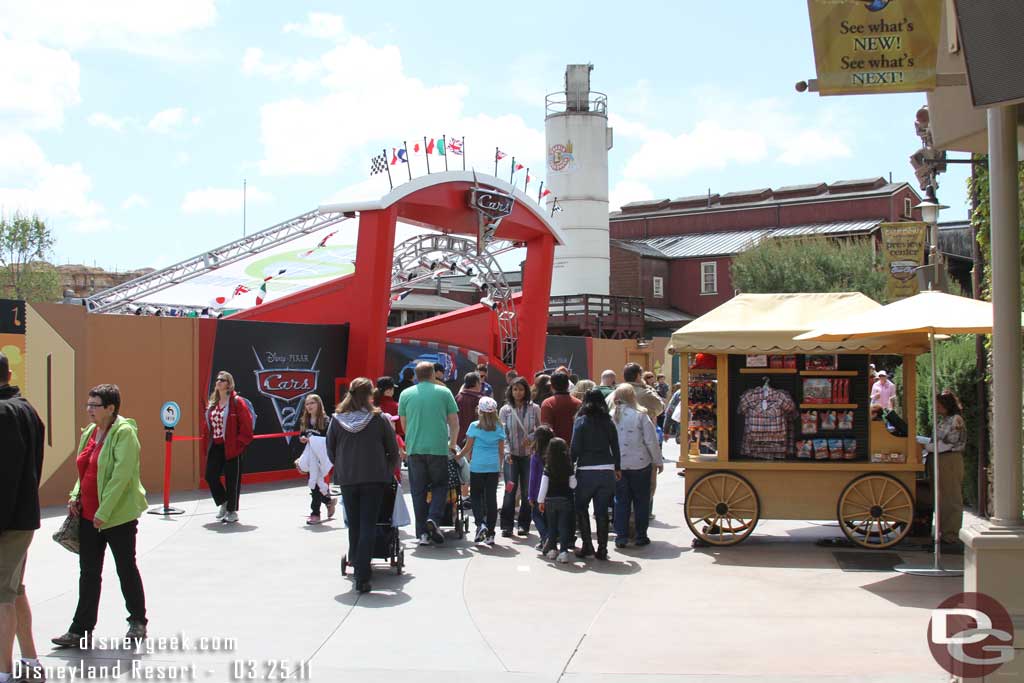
{"type": "Point", "coordinates": [151, 359]}
{"type": "Point", "coordinates": [613, 354]}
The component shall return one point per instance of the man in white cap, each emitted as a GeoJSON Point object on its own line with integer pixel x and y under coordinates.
{"type": "Point", "coordinates": [883, 392]}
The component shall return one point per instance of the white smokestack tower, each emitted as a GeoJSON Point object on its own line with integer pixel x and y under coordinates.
{"type": "Point", "coordinates": [578, 140]}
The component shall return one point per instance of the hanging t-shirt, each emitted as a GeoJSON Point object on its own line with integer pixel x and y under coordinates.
{"type": "Point", "coordinates": [485, 447]}
{"type": "Point", "coordinates": [768, 416]}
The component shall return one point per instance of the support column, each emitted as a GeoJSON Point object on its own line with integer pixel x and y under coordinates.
{"type": "Point", "coordinates": [1006, 336]}
{"type": "Point", "coordinates": [533, 310]}
{"type": "Point", "coordinates": [371, 290]}
{"type": "Point", "coordinates": [994, 549]}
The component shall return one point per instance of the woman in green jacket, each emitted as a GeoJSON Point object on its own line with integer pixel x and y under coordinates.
{"type": "Point", "coordinates": [109, 499]}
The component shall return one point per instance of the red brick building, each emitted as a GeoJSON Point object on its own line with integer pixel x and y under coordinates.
{"type": "Point", "coordinates": [677, 253]}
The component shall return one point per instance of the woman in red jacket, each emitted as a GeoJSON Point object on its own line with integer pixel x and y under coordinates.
{"type": "Point", "coordinates": [228, 431]}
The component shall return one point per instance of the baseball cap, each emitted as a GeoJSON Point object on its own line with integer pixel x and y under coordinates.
{"type": "Point", "coordinates": [487, 405]}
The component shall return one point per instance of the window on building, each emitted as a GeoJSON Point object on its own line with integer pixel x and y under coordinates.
{"type": "Point", "coordinates": [659, 287]}
{"type": "Point", "coordinates": [908, 207]}
{"type": "Point", "coordinates": [709, 277]}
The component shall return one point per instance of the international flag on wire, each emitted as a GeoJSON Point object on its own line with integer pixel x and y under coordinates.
{"type": "Point", "coordinates": [499, 155]}
{"type": "Point", "coordinates": [395, 298]}
{"type": "Point", "coordinates": [240, 289]}
{"type": "Point", "coordinates": [261, 295]}
{"type": "Point", "coordinates": [455, 146]}
{"type": "Point", "coordinates": [440, 146]}
{"type": "Point", "coordinates": [519, 167]}
{"type": "Point", "coordinates": [398, 154]}
{"type": "Point", "coordinates": [545, 193]}
{"type": "Point", "coordinates": [378, 164]}
{"type": "Point", "coordinates": [430, 146]}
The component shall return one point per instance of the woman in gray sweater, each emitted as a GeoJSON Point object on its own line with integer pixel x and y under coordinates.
{"type": "Point", "coordinates": [362, 445]}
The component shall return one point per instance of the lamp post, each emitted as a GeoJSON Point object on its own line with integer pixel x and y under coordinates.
{"type": "Point", "coordinates": [930, 215]}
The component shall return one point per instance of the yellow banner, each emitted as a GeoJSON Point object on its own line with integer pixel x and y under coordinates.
{"type": "Point", "coordinates": [903, 252]}
{"type": "Point", "coordinates": [875, 46]}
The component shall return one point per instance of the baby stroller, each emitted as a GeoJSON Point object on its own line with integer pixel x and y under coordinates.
{"type": "Point", "coordinates": [454, 514]}
{"type": "Point", "coordinates": [386, 545]}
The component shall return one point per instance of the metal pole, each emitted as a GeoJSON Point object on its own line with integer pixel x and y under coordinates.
{"type": "Point", "coordinates": [243, 205]}
{"type": "Point", "coordinates": [1006, 333]}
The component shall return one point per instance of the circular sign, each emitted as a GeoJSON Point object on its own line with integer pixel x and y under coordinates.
{"type": "Point", "coordinates": [170, 414]}
{"type": "Point", "coordinates": [971, 635]}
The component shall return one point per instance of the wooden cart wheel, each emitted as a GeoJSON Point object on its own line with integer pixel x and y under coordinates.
{"type": "Point", "coordinates": [875, 511]}
{"type": "Point", "coordinates": [722, 508]}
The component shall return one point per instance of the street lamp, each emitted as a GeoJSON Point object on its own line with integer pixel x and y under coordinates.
{"type": "Point", "coordinates": [930, 215]}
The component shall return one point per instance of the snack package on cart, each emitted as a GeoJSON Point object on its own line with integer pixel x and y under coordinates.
{"type": "Point", "coordinates": [849, 449]}
{"type": "Point", "coordinates": [809, 422]}
{"type": "Point", "coordinates": [846, 420]}
{"type": "Point", "coordinates": [835, 449]}
{"type": "Point", "coordinates": [828, 420]}
{"type": "Point", "coordinates": [805, 449]}
{"type": "Point", "coordinates": [821, 449]}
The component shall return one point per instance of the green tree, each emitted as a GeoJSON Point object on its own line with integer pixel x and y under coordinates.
{"type": "Point", "coordinates": [810, 265]}
{"type": "Point", "coordinates": [25, 244]}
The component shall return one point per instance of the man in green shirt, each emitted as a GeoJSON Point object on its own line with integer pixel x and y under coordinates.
{"type": "Point", "coordinates": [607, 385]}
{"type": "Point", "coordinates": [430, 418]}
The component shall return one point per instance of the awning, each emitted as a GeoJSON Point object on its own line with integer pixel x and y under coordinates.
{"type": "Point", "coordinates": [767, 323]}
{"type": "Point", "coordinates": [665, 316]}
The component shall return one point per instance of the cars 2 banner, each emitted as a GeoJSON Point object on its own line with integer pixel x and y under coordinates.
{"type": "Point", "coordinates": [276, 365]}
{"type": "Point", "coordinates": [875, 46]}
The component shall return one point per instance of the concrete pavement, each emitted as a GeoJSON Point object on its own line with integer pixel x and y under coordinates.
{"type": "Point", "coordinates": [775, 608]}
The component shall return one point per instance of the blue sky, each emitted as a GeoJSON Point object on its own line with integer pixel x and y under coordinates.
{"type": "Point", "coordinates": [129, 126]}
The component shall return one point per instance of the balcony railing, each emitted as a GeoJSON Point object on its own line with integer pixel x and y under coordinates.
{"type": "Point", "coordinates": [597, 315]}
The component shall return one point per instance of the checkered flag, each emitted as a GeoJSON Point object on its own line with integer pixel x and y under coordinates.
{"type": "Point", "coordinates": [379, 164]}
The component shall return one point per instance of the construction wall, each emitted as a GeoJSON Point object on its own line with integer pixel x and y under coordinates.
{"type": "Point", "coordinates": [151, 359]}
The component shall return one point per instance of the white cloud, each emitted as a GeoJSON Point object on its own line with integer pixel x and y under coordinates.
{"type": "Point", "coordinates": [222, 200]}
{"type": "Point", "coordinates": [299, 70]}
{"type": "Point", "coordinates": [30, 183]}
{"type": "Point", "coordinates": [101, 120]}
{"type": "Point", "coordinates": [319, 25]}
{"type": "Point", "coordinates": [728, 133]}
{"type": "Point", "coordinates": [626, 191]}
{"type": "Point", "coordinates": [167, 121]}
{"type": "Point", "coordinates": [145, 27]}
{"type": "Point", "coordinates": [135, 201]}
{"type": "Point", "coordinates": [35, 93]}
{"type": "Point", "coordinates": [370, 103]}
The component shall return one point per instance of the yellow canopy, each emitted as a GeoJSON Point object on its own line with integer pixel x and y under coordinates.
{"type": "Point", "coordinates": [935, 312]}
{"type": "Point", "coordinates": [767, 323]}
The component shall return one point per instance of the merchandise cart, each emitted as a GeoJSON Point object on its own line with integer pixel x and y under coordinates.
{"type": "Point", "coordinates": [792, 431]}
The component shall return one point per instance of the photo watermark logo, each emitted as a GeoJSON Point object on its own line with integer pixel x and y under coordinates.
{"type": "Point", "coordinates": [971, 635]}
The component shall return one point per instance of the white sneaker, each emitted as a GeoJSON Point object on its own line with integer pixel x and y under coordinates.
{"type": "Point", "coordinates": [552, 554]}
{"type": "Point", "coordinates": [222, 511]}
{"type": "Point", "coordinates": [231, 517]}
{"type": "Point", "coordinates": [563, 557]}
{"type": "Point", "coordinates": [424, 539]}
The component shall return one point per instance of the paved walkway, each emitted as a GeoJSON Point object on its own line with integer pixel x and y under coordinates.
{"type": "Point", "coordinates": [775, 608]}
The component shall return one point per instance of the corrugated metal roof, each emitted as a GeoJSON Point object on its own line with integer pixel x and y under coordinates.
{"type": "Point", "coordinates": [734, 242]}
{"type": "Point", "coordinates": [637, 247]}
{"type": "Point", "coordinates": [835, 191]}
{"type": "Point", "coordinates": [666, 315]}
{"type": "Point", "coordinates": [427, 302]}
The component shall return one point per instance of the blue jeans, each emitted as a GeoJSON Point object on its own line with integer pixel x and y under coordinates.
{"type": "Point", "coordinates": [428, 472]}
{"type": "Point", "coordinates": [597, 486]}
{"type": "Point", "coordinates": [517, 472]}
{"type": "Point", "coordinates": [633, 492]}
{"type": "Point", "coordinates": [362, 507]}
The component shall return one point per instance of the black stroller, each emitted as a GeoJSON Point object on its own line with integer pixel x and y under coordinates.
{"type": "Point", "coordinates": [386, 544]}
{"type": "Point", "coordinates": [454, 514]}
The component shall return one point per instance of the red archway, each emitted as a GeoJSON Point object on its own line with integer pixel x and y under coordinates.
{"type": "Point", "coordinates": [439, 202]}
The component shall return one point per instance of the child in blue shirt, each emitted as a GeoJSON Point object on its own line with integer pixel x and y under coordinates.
{"type": "Point", "coordinates": [485, 449]}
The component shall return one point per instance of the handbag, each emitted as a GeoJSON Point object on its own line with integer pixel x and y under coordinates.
{"type": "Point", "coordinates": [67, 534]}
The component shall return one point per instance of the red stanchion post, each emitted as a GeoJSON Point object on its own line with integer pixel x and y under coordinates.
{"type": "Point", "coordinates": [167, 509]}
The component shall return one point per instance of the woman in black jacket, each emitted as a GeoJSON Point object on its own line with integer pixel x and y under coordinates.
{"type": "Point", "coordinates": [361, 443]}
{"type": "Point", "coordinates": [595, 454]}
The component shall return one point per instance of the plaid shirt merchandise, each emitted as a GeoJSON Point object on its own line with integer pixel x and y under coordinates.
{"type": "Point", "coordinates": [768, 416]}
